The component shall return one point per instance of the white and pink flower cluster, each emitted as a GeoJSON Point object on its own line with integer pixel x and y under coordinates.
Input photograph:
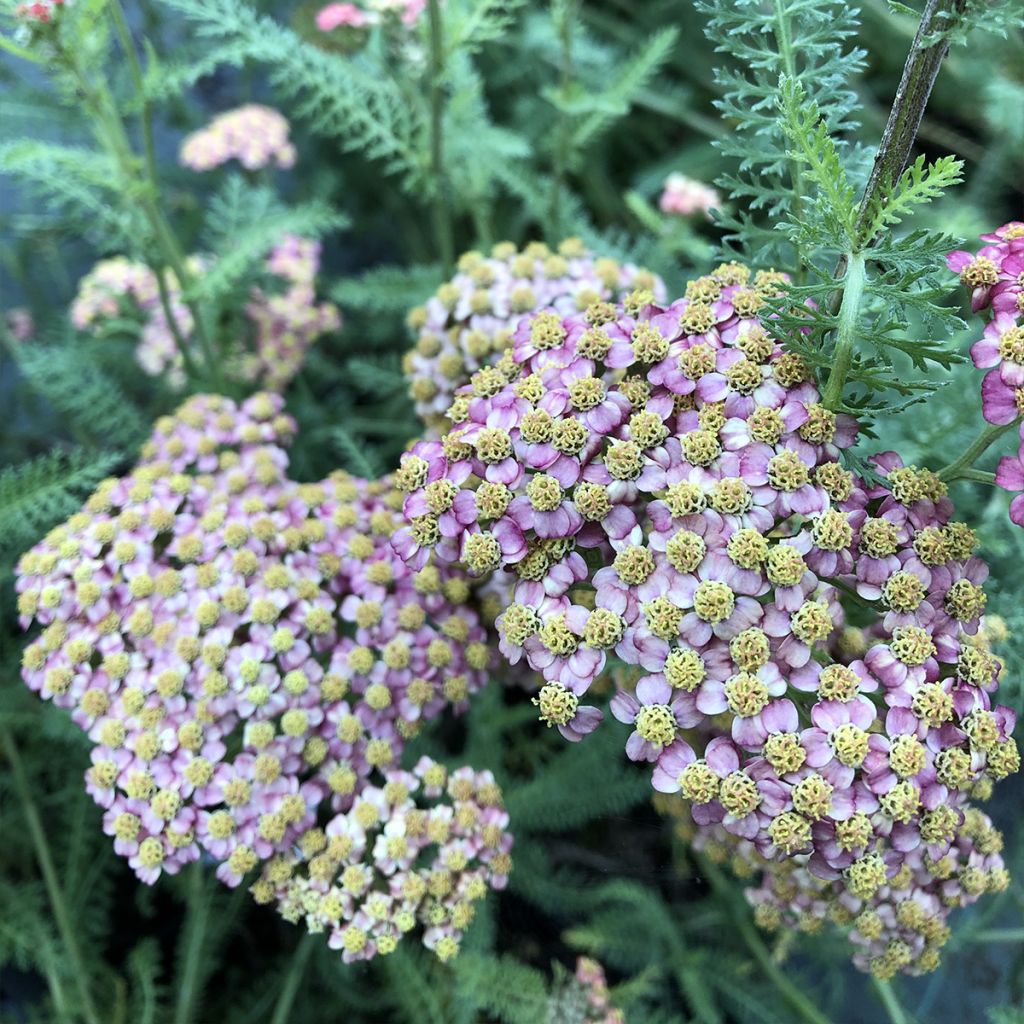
{"type": "Point", "coordinates": [282, 317]}
{"type": "Point", "coordinates": [996, 279]}
{"type": "Point", "coordinates": [254, 135]}
{"type": "Point", "coordinates": [664, 483]}
{"type": "Point", "coordinates": [244, 651]}
{"type": "Point", "coordinates": [466, 328]}
{"type": "Point", "coordinates": [683, 197]}
{"type": "Point", "coordinates": [421, 848]}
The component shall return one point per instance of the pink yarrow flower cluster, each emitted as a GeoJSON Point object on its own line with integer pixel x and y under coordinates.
{"type": "Point", "coordinates": [283, 316]}
{"type": "Point", "coordinates": [466, 328]}
{"type": "Point", "coordinates": [996, 279]}
{"type": "Point", "coordinates": [254, 135]}
{"type": "Point", "coordinates": [664, 482]}
{"type": "Point", "coordinates": [244, 651]}
{"type": "Point", "coordinates": [685, 196]}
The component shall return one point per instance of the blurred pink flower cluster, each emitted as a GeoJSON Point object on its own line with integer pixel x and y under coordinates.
{"type": "Point", "coordinates": [339, 15]}
{"type": "Point", "coordinates": [684, 197]}
{"type": "Point", "coordinates": [254, 135]}
{"type": "Point", "coordinates": [283, 318]}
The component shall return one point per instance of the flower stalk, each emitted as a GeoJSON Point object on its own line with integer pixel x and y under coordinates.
{"type": "Point", "coordinates": [960, 469]}
{"type": "Point", "coordinates": [53, 888]}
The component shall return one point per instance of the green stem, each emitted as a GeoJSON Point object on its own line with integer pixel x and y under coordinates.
{"type": "Point", "coordinates": [958, 469]}
{"type": "Point", "coordinates": [296, 969]}
{"type": "Point", "coordinates": [888, 998]}
{"type": "Point", "coordinates": [785, 45]}
{"type": "Point", "coordinates": [49, 872]}
{"type": "Point", "coordinates": [110, 126]}
{"type": "Point", "coordinates": [442, 213]}
{"type": "Point", "coordinates": [846, 331]}
{"type": "Point", "coordinates": [196, 919]}
{"type": "Point", "coordinates": [798, 1002]}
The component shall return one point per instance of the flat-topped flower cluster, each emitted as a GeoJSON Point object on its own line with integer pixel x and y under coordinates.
{"type": "Point", "coordinates": [254, 135]}
{"type": "Point", "coordinates": [282, 317]}
{"type": "Point", "coordinates": [664, 483]}
{"type": "Point", "coordinates": [465, 329]}
{"type": "Point", "coordinates": [248, 655]}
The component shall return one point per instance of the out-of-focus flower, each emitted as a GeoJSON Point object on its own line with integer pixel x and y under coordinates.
{"type": "Point", "coordinates": [254, 135]}
{"type": "Point", "coordinates": [335, 15]}
{"type": "Point", "coordinates": [684, 197]}
{"type": "Point", "coordinates": [283, 314]}
{"type": "Point", "coordinates": [20, 323]}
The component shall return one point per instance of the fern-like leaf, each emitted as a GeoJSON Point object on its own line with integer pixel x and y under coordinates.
{"type": "Point", "coordinates": [37, 495]}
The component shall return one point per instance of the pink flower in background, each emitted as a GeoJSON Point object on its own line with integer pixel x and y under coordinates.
{"type": "Point", "coordinates": [335, 15]}
{"type": "Point", "coordinates": [685, 196]}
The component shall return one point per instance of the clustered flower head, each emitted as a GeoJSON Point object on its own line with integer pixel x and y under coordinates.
{"type": "Point", "coordinates": [283, 317]}
{"type": "Point", "coordinates": [996, 279]}
{"type": "Point", "coordinates": [421, 848]}
{"type": "Point", "coordinates": [466, 328]}
{"type": "Point", "coordinates": [254, 135]}
{"type": "Point", "coordinates": [590, 978]}
{"type": "Point", "coordinates": [685, 196]}
{"type": "Point", "coordinates": [664, 482]}
{"type": "Point", "coordinates": [903, 925]}
{"type": "Point", "coordinates": [244, 651]}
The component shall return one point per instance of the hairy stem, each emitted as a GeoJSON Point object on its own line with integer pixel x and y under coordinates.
{"type": "Point", "coordinates": [846, 331]}
{"type": "Point", "coordinates": [292, 980]}
{"type": "Point", "coordinates": [197, 916]}
{"type": "Point", "coordinates": [442, 212]}
{"type": "Point", "coordinates": [958, 469]}
{"type": "Point", "coordinates": [798, 1002]}
{"type": "Point", "coordinates": [53, 890]}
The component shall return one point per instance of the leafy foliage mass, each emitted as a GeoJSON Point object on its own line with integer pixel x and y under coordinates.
{"type": "Point", "coordinates": [556, 119]}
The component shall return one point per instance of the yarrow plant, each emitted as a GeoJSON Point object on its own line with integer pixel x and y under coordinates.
{"type": "Point", "coordinates": [282, 316]}
{"type": "Point", "coordinates": [465, 329]}
{"type": "Point", "coordinates": [665, 483]}
{"type": "Point", "coordinates": [587, 511]}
